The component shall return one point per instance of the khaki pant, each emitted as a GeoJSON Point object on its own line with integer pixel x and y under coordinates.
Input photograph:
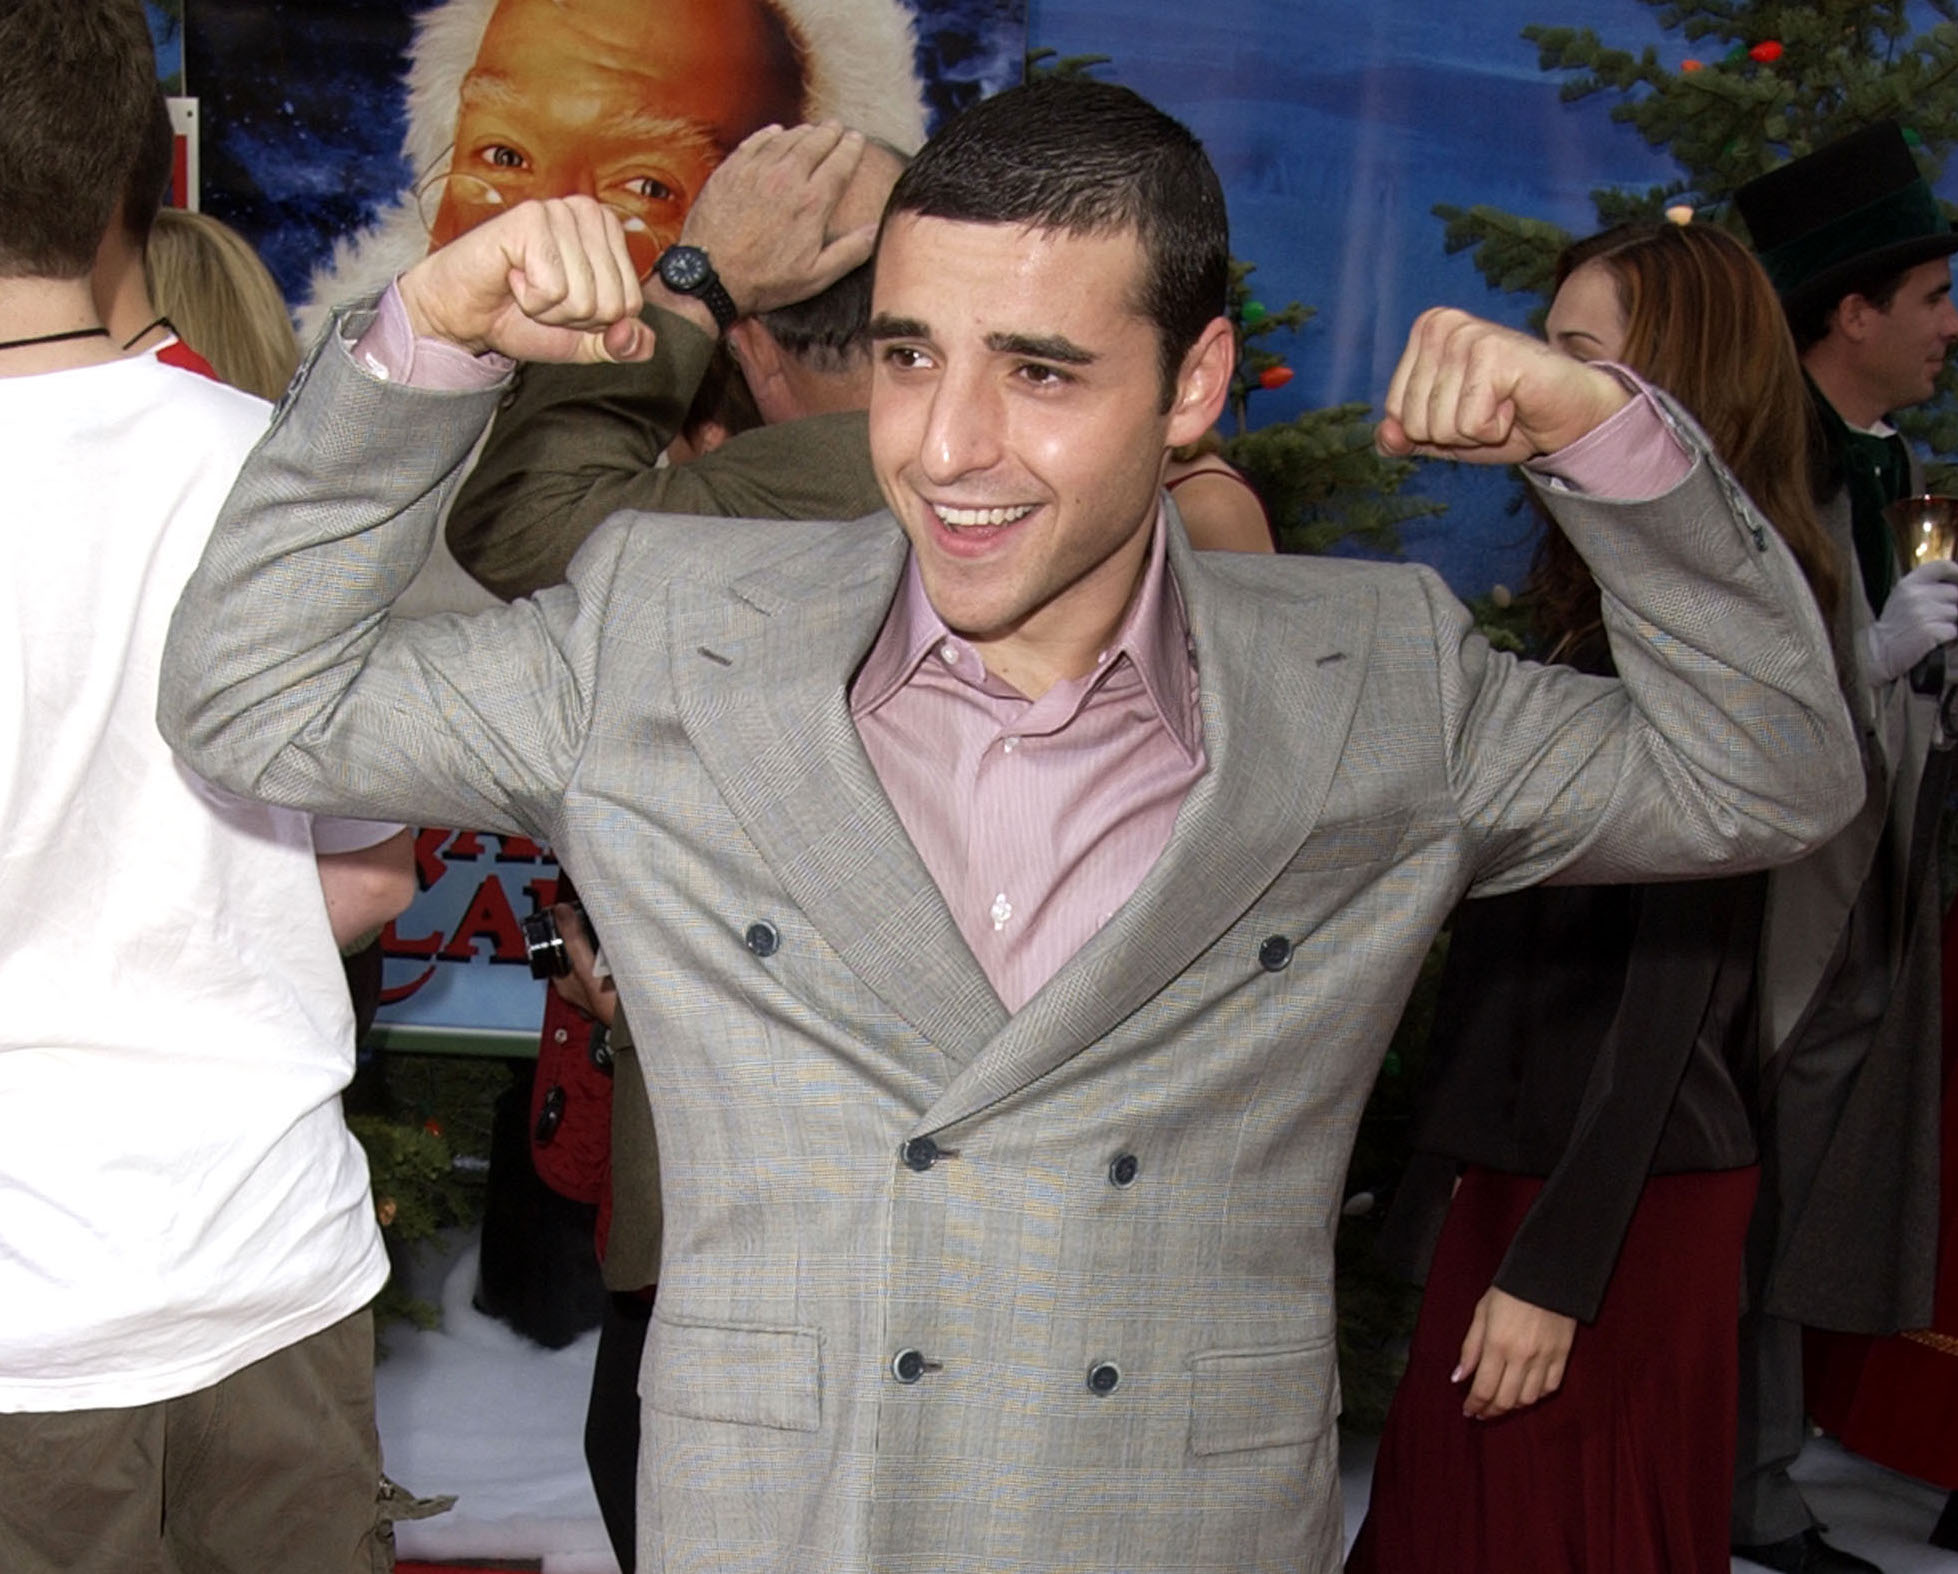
{"type": "Point", "coordinates": [275, 1467]}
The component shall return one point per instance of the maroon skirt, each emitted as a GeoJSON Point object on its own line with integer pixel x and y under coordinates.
{"type": "Point", "coordinates": [1626, 1469]}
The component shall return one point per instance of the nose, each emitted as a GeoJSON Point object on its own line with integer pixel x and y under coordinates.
{"type": "Point", "coordinates": [963, 428]}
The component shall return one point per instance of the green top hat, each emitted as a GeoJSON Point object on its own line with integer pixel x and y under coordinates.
{"type": "Point", "coordinates": [1846, 211]}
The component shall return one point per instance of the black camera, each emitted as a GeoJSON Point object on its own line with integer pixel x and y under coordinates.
{"type": "Point", "coordinates": [543, 945]}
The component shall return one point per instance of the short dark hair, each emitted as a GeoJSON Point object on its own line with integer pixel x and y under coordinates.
{"type": "Point", "coordinates": [1809, 322]}
{"type": "Point", "coordinates": [831, 328]}
{"type": "Point", "coordinates": [149, 176]}
{"type": "Point", "coordinates": [1068, 153]}
{"type": "Point", "coordinates": [77, 84]}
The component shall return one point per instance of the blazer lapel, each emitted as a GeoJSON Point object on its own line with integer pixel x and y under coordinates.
{"type": "Point", "coordinates": [762, 669]}
{"type": "Point", "coordinates": [1279, 678]}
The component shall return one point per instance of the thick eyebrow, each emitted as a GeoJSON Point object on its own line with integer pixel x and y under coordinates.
{"type": "Point", "coordinates": [1041, 347]}
{"type": "Point", "coordinates": [885, 326]}
{"type": "Point", "coordinates": [1035, 346]}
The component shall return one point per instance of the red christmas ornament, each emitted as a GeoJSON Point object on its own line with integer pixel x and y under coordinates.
{"type": "Point", "coordinates": [1274, 377]}
{"type": "Point", "coordinates": [1768, 51]}
{"type": "Point", "coordinates": [1692, 65]}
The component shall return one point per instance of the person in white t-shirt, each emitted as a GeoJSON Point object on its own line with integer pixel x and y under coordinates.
{"type": "Point", "coordinates": [187, 1237]}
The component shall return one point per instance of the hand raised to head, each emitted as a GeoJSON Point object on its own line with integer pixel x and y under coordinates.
{"type": "Point", "coordinates": [1472, 390]}
{"type": "Point", "coordinates": [547, 281]}
{"type": "Point", "coordinates": [766, 217]}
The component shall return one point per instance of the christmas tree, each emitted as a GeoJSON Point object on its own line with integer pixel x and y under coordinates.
{"type": "Point", "coordinates": [1767, 82]}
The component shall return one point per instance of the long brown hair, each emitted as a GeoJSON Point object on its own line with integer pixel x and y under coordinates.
{"type": "Point", "coordinates": [1702, 322]}
{"type": "Point", "coordinates": [205, 278]}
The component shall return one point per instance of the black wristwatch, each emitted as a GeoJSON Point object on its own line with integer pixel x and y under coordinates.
{"type": "Point", "coordinates": [685, 270]}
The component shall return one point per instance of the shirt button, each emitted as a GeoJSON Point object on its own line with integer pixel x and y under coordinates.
{"type": "Point", "coordinates": [919, 1154]}
{"type": "Point", "coordinates": [1275, 954]}
{"type": "Point", "coordinates": [1001, 911]}
{"type": "Point", "coordinates": [1009, 745]}
{"type": "Point", "coordinates": [560, 1036]}
{"type": "Point", "coordinates": [1104, 1377]}
{"type": "Point", "coordinates": [949, 654]}
{"type": "Point", "coordinates": [1123, 1171]}
{"type": "Point", "coordinates": [907, 1366]}
{"type": "Point", "coordinates": [762, 938]}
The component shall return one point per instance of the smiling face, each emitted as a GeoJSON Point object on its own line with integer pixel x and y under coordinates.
{"type": "Point", "coordinates": [634, 102]}
{"type": "Point", "coordinates": [1018, 430]}
{"type": "Point", "coordinates": [1907, 341]}
{"type": "Point", "coordinates": [1587, 319]}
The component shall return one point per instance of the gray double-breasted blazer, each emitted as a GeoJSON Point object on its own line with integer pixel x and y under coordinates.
{"type": "Point", "coordinates": [1090, 1325]}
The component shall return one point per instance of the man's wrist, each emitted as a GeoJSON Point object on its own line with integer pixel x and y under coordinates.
{"type": "Point", "coordinates": [686, 307]}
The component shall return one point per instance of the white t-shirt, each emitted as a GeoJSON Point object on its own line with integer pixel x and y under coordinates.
{"type": "Point", "coordinates": [179, 1195]}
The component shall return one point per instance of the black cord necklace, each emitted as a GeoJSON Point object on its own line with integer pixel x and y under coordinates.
{"type": "Point", "coordinates": [161, 322]}
{"type": "Point", "coordinates": [56, 338]}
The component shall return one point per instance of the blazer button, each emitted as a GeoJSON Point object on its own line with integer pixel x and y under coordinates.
{"type": "Point", "coordinates": [907, 1366]}
{"type": "Point", "coordinates": [1104, 1377]}
{"type": "Point", "coordinates": [1273, 956]}
{"type": "Point", "coordinates": [761, 938]}
{"type": "Point", "coordinates": [919, 1154]}
{"type": "Point", "coordinates": [1123, 1171]}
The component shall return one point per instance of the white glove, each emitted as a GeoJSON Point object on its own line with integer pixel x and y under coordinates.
{"type": "Point", "coordinates": [1920, 615]}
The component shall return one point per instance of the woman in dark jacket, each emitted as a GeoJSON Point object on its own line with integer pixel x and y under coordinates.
{"type": "Point", "coordinates": [1584, 1167]}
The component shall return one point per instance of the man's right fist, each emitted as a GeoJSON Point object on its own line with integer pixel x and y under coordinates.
{"type": "Point", "coordinates": [547, 281]}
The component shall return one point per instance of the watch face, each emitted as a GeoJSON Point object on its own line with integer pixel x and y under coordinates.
{"type": "Point", "coordinates": [683, 268]}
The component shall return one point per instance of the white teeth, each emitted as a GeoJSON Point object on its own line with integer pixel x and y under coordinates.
{"type": "Point", "coordinates": [965, 518]}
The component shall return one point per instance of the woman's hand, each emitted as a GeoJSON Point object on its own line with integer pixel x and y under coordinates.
{"type": "Point", "coordinates": [1515, 1354]}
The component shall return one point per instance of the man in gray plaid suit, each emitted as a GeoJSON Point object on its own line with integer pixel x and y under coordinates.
{"type": "Point", "coordinates": [1023, 900]}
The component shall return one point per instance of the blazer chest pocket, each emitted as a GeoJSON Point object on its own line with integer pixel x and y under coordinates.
{"type": "Point", "coordinates": [1344, 844]}
{"type": "Point", "coordinates": [748, 1376]}
{"type": "Point", "coordinates": [1245, 1399]}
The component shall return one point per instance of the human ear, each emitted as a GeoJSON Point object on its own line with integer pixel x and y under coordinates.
{"type": "Point", "coordinates": [1203, 384]}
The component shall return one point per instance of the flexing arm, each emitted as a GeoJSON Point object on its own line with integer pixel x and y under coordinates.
{"type": "Point", "coordinates": [1724, 744]}
{"type": "Point", "coordinates": [284, 676]}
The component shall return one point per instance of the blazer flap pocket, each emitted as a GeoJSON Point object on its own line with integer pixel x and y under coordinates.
{"type": "Point", "coordinates": [1242, 1399]}
{"type": "Point", "coordinates": [749, 1376]}
{"type": "Point", "coordinates": [1337, 844]}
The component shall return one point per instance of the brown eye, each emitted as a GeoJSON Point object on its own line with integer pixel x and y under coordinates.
{"type": "Point", "coordinates": [501, 156]}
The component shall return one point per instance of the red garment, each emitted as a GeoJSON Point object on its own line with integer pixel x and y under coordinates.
{"type": "Point", "coordinates": [174, 352]}
{"type": "Point", "coordinates": [1895, 1400]}
{"type": "Point", "coordinates": [1626, 1469]}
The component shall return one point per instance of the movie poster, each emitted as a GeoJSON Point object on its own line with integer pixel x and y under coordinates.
{"type": "Point", "coordinates": [343, 138]}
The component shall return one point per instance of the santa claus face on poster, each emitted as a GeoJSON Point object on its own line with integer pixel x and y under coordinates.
{"type": "Point", "coordinates": [633, 102]}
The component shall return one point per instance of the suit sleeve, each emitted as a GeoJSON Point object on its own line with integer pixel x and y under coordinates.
{"type": "Point", "coordinates": [285, 677]}
{"type": "Point", "coordinates": [571, 446]}
{"type": "Point", "coordinates": [1723, 745]}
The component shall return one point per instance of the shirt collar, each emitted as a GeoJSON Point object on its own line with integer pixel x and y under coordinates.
{"type": "Point", "coordinates": [1154, 635]}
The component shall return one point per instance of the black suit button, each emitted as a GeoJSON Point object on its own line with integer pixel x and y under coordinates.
{"type": "Point", "coordinates": [919, 1154]}
{"type": "Point", "coordinates": [1275, 954]}
{"type": "Point", "coordinates": [1104, 1377]}
{"type": "Point", "coordinates": [1123, 1170]}
{"type": "Point", "coordinates": [907, 1366]}
{"type": "Point", "coordinates": [761, 938]}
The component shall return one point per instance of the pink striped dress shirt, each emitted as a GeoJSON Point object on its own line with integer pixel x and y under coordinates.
{"type": "Point", "coordinates": [1036, 818]}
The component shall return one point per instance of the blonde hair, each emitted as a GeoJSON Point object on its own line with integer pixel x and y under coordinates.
{"type": "Point", "coordinates": [218, 296]}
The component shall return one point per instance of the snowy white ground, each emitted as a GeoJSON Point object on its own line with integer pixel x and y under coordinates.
{"type": "Point", "coordinates": [478, 1411]}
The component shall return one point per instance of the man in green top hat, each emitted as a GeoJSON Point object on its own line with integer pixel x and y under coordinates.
{"type": "Point", "coordinates": [1845, 1231]}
